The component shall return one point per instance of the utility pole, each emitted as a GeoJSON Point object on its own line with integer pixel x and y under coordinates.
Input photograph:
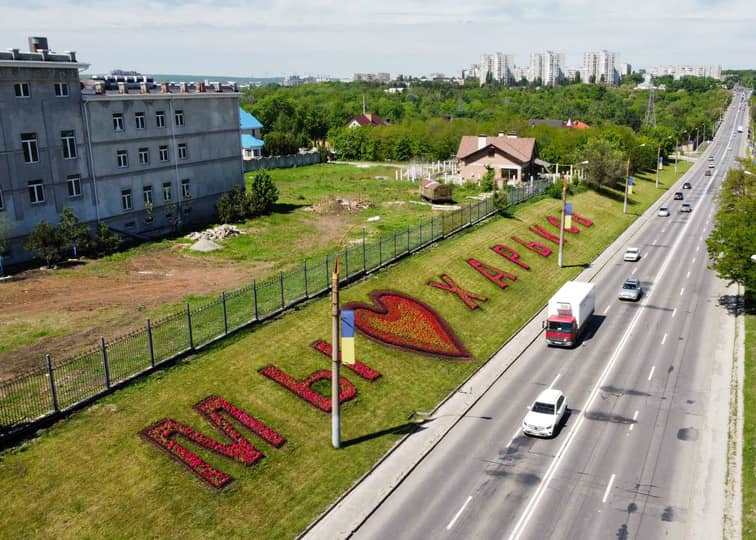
{"type": "Point", "coordinates": [335, 360]}
{"type": "Point", "coordinates": [627, 177]}
{"type": "Point", "coordinates": [658, 155]}
{"type": "Point", "coordinates": [561, 223]}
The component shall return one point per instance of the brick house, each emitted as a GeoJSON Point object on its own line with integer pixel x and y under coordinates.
{"type": "Point", "coordinates": [512, 158]}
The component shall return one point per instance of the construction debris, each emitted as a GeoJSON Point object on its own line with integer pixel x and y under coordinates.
{"type": "Point", "coordinates": [339, 206]}
{"type": "Point", "coordinates": [216, 234]}
{"type": "Point", "coordinates": [204, 245]}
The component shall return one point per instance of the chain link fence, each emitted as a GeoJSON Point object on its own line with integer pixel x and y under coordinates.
{"type": "Point", "coordinates": [61, 384]}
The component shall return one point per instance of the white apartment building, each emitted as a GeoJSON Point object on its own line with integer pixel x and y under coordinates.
{"type": "Point", "coordinates": [499, 65]}
{"type": "Point", "coordinates": [713, 71]}
{"type": "Point", "coordinates": [599, 67]}
{"type": "Point", "coordinates": [548, 67]}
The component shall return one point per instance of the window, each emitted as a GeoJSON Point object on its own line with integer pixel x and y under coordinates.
{"type": "Point", "coordinates": [61, 89]}
{"type": "Point", "coordinates": [164, 153]}
{"type": "Point", "coordinates": [126, 199]}
{"type": "Point", "coordinates": [179, 118]}
{"type": "Point", "coordinates": [543, 408]}
{"type": "Point", "coordinates": [144, 156]}
{"type": "Point", "coordinates": [147, 194]}
{"type": "Point", "coordinates": [139, 120]}
{"type": "Point", "coordinates": [160, 119]}
{"type": "Point", "coordinates": [182, 151]}
{"type": "Point", "coordinates": [117, 122]}
{"type": "Point", "coordinates": [186, 188]}
{"type": "Point", "coordinates": [69, 144]}
{"type": "Point", "coordinates": [123, 159]}
{"type": "Point", "coordinates": [74, 185]}
{"type": "Point", "coordinates": [22, 89]}
{"type": "Point", "coordinates": [2, 201]}
{"type": "Point", "coordinates": [167, 194]}
{"type": "Point", "coordinates": [36, 192]}
{"type": "Point", "coordinates": [29, 144]}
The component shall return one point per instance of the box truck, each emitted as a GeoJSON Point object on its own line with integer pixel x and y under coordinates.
{"type": "Point", "coordinates": [568, 313]}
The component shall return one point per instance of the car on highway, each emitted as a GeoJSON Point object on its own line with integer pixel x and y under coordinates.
{"type": "Point", "coordinates": [632, 254]}
{"type": "Point", "coordinates": [678, 196]}
{"type": "Point", "coordinates": [546, 414]}
{"type": "Point", "coordinates": [685, 208]}
{"type": "Point", "coordinates": [686, 185]}
{"type": "Point", "coordinates": [708, 172]}
{"type": "Point", "coordinates": [631, 290]}
{"type": "Point", "coordinates": [663, 212]}
{"type": "Point", "coordinates": [711, 164]}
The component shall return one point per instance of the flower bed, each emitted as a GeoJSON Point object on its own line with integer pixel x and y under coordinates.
{"type": "Point", "coordinates": [497, 276]}
{"type": "Point", "coordinates": [540, 231]}
{"type": "Point", "coordinates": [469, 298]}
{"type": "Point", "coordinates": [536, 247]}
{"type": "Point", "coordinates": [510, 254]}
{"type": "Point", "coordinates": [362, 370]}
{"type": "Point", "coordinates": [303, 388]}
{"type": "Point", "coordinates": [556, 223]}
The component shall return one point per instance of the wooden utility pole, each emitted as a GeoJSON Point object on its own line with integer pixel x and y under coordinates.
{"type": "Point", "coordinates": [335, 360]}
{"type": "Point", "coordinates": [658, 156]}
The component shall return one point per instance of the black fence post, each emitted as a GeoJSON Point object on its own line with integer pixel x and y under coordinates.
{"type": "Point", "coordinates": [51, 376]}
{"type": "Point", "coordinates": [281, 283]}
{"type": "Point", "coordinates": [408, 240]}
{"type": "Point", "coordinates": [364, 253]}
{"type": "Point", "coordinates": [254, 298]}
{"type": "Point", "coordinates": [346, 263]}
{"type": "Point", "coordinates": [307, 294]}
{"type": "Point", "coordinates": [225, 313]}
{"type": "Point", "coordinates": [380, 250]}
{"type": "Point", "coordinates": [421, 234]}
{"type": "Point", "coordinates": [433, 221]}
{"type": "Point", "coordinates": [150, 345]}
{"type": "Point", "coordinates": [105, 364]}
{"type": "Point", "coordinates": [189, 326]}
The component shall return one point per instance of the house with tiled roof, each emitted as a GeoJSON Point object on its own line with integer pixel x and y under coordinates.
{"type": "Point", "coordinates": [366, 119]}
{"type": "Point", "coordinates": [512, 158]}
{"type": "Point", "coordinates": [251, 135]}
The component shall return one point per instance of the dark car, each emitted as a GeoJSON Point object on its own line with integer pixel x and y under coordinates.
{"type": "Point", "coordinates": [687, 185]}
{"type": "Point", "coordinates": [678, 196]}
{"type": "Point", "coordinates": [708, 172]}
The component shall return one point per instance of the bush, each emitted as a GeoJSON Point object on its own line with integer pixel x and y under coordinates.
{"type": "Point", "coordinates": [487, 181]}
{"type": "Point", "coordinates": [74, 234]}
{"type": "Point", "coordinates": [262, 195]}
{"type": "Point", "coordinates": [106, 242]}
{"type": "Point", "coordinates": [554, 191]}
{"type": "Point", "coordinates": [231, 206]}
{"type": "Point", "coordinates": [46, 242]}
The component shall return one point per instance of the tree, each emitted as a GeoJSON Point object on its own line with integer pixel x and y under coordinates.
{"type": "Point", "coordinates": [73, 232]}
{"type": "Point", "coordinates": [605, 163]}
{"type": "Point", "coordinates": [487, 180]}
{"type": "Point", "coordinates": [106, 242]}
{"type": "Point", "coordinates": [262, 195]}
{"type": "Point", "coordinates": [46, 242]}
{"type": "Point", "coordinates": [231, 206]}
{"type": "Point", "coordinates": [732, 243]}
{"type": "Point", "coordinates": [4, 242]}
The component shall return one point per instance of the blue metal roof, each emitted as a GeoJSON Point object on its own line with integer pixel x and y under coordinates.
{"type": "Point", "coordinates": [250, 142]}
{"type": "Point", "coordinates": [248, 121]}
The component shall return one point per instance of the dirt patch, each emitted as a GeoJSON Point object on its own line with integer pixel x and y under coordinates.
{"type": "Point", "coordinates": [91, 305]}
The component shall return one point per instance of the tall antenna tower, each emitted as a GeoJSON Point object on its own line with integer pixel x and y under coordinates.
{"type": "Point", "coordinates": [650, 118]}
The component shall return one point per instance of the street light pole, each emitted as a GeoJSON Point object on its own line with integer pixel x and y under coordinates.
{"type": "Point", "coordinates": [335, 360]}
{"type": "Point", "coordinates": [561, 223]}
{"type": "Point", "coordinates": [658, 155]}
{"type": "Point", "coordinates": [627, 176]}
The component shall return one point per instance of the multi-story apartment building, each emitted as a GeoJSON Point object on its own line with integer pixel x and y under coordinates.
{"type": "Point", "coordinates": [143, 158]}
{"type": "Point", "coordinates": [498, 66]}
{"type": "Point", "coordinates": [713, 71]}
{"type": "Point", "coordinates": [599, 67]}
{"type": "Point", "coordinates": [546, 67]}
{"type": "Point", "coordinates": [372, 77]}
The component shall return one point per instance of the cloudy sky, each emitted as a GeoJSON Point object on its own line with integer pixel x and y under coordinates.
{"type": "Point", "coordinates": [274, 37]}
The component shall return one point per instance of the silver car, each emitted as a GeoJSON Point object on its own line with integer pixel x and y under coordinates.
{"type": "Point", "coordinates": [631, 290]}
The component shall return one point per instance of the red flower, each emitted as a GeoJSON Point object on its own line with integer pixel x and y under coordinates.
{"type": "Point", "coordinates": [303, 388]}
{"type": "Point", "coordinates": [540, 231]}
{"type": "Point", "coordinates": [556, 223]}
{"type": "Point", "coordinates": [363, 370]}
{"type": "Point", "coordinates": [536, 247]}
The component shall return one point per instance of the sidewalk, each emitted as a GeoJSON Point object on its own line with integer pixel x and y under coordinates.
{"type": "Point", "coordinates": [356, 506]}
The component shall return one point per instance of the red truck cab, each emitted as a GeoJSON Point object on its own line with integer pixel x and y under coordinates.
{"type": "Point", "coordinates": [561, 330]}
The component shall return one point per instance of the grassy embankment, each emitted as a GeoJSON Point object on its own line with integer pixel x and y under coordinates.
{"type": "Point", "coordinates": [92, 475]}
{"type": "Point", "coordinates": [749, 424]}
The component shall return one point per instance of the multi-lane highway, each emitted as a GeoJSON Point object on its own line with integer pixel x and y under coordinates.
{"type": "Point", "coordinates": [643, 452]}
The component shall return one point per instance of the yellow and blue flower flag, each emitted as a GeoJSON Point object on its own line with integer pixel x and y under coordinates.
{"type": "Point", "coordinates": [347, 336]}
{"type": "Point", "coordinates": [568, 215]}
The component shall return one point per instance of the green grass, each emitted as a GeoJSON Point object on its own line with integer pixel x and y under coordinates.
{"type": "Point", "coordinates": [18, 334]}
{"type": "Point", "coordinates": [749, 424]}
{"type": "Point", "coordinates": [92, 476]}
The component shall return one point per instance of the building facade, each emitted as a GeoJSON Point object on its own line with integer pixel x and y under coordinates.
{"type": "Point", "coordinates": [600, 67]}
{"type": "Point", "coordinates": [547, 67]}
{"type": "Point", "coordinates": [140, 157]}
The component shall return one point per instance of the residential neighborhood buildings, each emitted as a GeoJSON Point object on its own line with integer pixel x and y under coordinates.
{"type": "Point", "coordinates": [366, 119]}
{"type": "Point", "coordinates": [512, 159]}
{"type": "Point", "coordinates": [679, 71]}
{"type": "Point", "coordinates": [498, 67]}
{"type": "Point", "coordinates": [599, 67]}
{"type": "Point", "coordinates": [138, 156]}
{"type": "Point", "coordinates": [372, 77]}
{"type": "Point", "coordinates": [251, 135]}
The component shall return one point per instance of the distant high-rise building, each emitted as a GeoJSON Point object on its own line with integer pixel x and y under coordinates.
{"type": "Point", "coordinates": [713, 71]}
{"type": "Point", "coordinates": [546, 67]}
{"type": "Point", "coordinates": [625, 70]}
{"type": "Point", "coordinates": [498, 66]}
{"type": "Point", "coordinates": [372, 77]}
{"type": "Point", "coordinates": [599, 67]}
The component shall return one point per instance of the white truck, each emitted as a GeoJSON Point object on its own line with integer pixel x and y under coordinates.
{"type": "Point", "coordinates": [740, 129]}
{"type": "Point", "coordinates": [568, 313]}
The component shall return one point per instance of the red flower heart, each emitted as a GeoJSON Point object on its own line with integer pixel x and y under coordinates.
{"type": "Point", "coordinates": [402, 321]}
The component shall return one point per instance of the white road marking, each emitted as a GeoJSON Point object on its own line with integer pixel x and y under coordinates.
{"type": "Point", "coordinates": [652, 372]}
{"type": "Point", "coordinates": [608, 308]}
{"type": "Point", "coordinates": [459, 513]}
{"type": "Point", "coordinates": [674, 312]}
{"type": "Point", "coordinates": [634, 269]}
{"type": "Point", "coordinates": [635, 417]}
{"type": "Point", "coordinates": [687, 275]}
{"type": "Point", "coordinates": [555, 380]}
{"type": "Point", "coordinates": [697, 248]}
{"type": "Point", "coordinates": [693, 261]}
{"type": "Point", "coordinates": [608, 488]}
{"type": "Point", "coordinates": [519, 527]}
{"type": "Point", "coordinates": [664, 229]}
{"type": "Point", "coordinates": [664, 339]}
{"type": "Point", "coordinates": [682, 291]}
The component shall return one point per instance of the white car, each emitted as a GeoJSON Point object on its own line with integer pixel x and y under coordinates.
{"type": "Point", "coordinates": [632, 254]}
{"type": "Point", "coordinates": [545, 414]}
{"type": "Point", "coordinates": [663, 212]}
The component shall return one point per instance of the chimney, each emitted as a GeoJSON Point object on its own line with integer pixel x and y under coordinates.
{"type": "Point", "coordinates": [15, 53]}
{"type": "Point", "coordinates": [143, 88]}
{"type": "Point", "coordinates": [71, 56]}
{"type": "Point", "coordinates": [236, 87]}
{"type": "Point", "coordinates": [38, 44]}
{"type": "Point", "coordinates": [43, 53]}
{"type": "Point", "coordinates": [122, 88]}
{"type": "Point", "coordinates": [182, 87]}
{"type": "Point", "coordinates": [99, 88]}
{"type": "Point", "coordinates": [511, 135]}
{"type": "Point", "coordinates": [501, 134]}
{"type": "Point", "coordinates": [164, 88]}
{"type": "Point", "coordinates": [201, 87]}
{"type": "Point", "coordinates": [482, 141]}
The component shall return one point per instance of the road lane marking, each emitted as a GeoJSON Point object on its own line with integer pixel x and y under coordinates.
{"type": "Point", "coordinates": [664, 229]}
{"type": "Point", "coordinates": [608, 308]}
{"type": "Point", "coordinates": [608, 488]}
{"type": "Point", "coordinates": [682, 291]}
{"type": "Point", "coordinates": [652, 372]}
{"type": "Point", "coordinates": [664, 339]}
{"type": "Point", "coordinates": [555, 380]}
{"type": "Point", "coordinates": [521, 523]}
{"type": "Point", "coordinates": [634, 269]}
{"type": "Point", "coordinates": [674, 312]}
{"type": "Point", "coordinates": [459, 513]}
{"type": "Point", "coordinates": [697, 248]}
{"type": "Point", "coordinates": [687, 275]}
{"type": "Point", "coordinates": [693, 261]}
{"type": "Point", "coordinates": [635, 417]}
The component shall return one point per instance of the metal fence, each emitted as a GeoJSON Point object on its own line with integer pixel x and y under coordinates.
{"type": "Point", "coordinates": [59, 385]}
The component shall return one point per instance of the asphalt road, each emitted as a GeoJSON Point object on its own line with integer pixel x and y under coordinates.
{"type": "Point", "coordinates": [635, 458]}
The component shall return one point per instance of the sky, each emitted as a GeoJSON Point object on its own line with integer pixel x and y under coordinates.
{"type": "Point", "coordinates": [338, 38]}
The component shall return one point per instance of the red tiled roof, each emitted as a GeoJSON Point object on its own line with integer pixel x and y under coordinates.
{"type": "Point", "coordinates": [520, 148]}
{"type": "Point", "coordinates": [369, 119]}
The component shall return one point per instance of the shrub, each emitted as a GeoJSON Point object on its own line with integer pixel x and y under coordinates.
{"type": "Point", "coordinates": [231, 206]}
{"type": "Point", "coordinates": [106, 242]}
{"type": "Point", "coordinates": [487, 181]}
{"type": "Point", "coordinates": [262, 195]}
{"type": "Point", "coordinates": [46, 242]}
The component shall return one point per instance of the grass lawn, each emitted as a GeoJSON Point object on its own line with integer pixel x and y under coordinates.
{"type": "Point", "coordinates": [92, 475]}
{"type": "Point", "coordinates": [749, 425]}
